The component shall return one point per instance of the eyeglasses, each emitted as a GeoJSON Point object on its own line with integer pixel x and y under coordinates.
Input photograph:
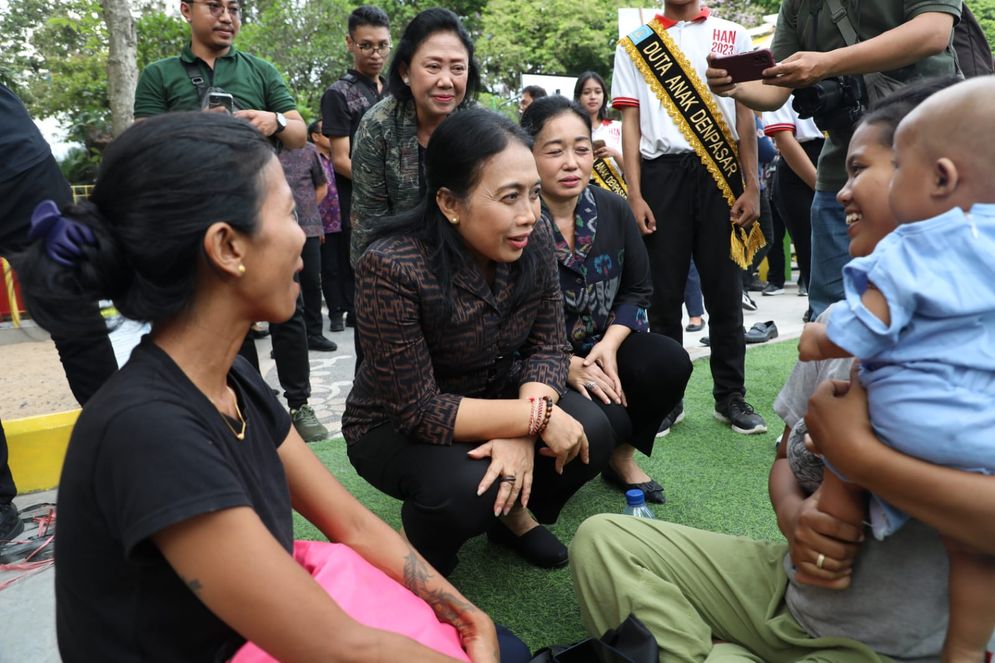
{"type": "Point", "coordinates": [367, 48]}
{"type": "Point", "coordinates": [217, 9]}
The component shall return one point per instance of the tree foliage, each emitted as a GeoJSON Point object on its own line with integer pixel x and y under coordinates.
{"type": "Point", "coordinates": [55, 51]}
{"type": "Point", "coordinates": [556, 37]}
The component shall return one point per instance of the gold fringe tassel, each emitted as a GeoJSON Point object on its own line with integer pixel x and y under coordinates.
{"type": "Point", "coordinates": [743, 245]}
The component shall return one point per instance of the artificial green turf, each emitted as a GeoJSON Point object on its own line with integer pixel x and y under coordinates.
{"type": "Point", "coordinates": [715, 479]}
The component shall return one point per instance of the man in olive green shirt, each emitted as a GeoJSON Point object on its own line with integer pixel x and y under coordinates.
{"type": "Point", "coordinates": [906, 39]}
{"type": "Point", "coordinates": [259, 93]}
{"type": "Point", "coordinates": [259, 96]}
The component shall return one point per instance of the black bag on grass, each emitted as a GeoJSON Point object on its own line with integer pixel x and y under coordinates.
{"type": "Point", "coordinates": [631, 642]}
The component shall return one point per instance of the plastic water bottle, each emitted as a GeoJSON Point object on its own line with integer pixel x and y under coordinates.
{"type": "Point", "coordinates": [635, 504]}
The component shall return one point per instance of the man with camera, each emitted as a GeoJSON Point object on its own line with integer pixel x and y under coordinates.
{"type": "Point", "coordinates": [212, 75]}
{"type": "Point", "coordinates": [837, 58]}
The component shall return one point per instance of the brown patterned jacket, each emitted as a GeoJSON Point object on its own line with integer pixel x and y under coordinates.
{"type": "Point", "coordinates": [419, 363]}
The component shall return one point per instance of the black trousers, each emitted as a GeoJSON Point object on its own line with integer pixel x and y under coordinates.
{"type": "Point", "coordinates": [775, 257]}
{"type": "Point", "coordinates": [337, 280]}
{"type": "Point", "coordinates": [692, 219]}
{"type": "Point", "coordinates": [293, 368]}
{"type": "Point", "coordinates": [793, 199]}
{"type": "Point", "coordinates": [84, 348]}
{"type": "Point", "coordinates": [654, 371]}
{"type": "Point", "coordinates": [438, 484]}
{"type": "Point", "coordinates": [311, 285]}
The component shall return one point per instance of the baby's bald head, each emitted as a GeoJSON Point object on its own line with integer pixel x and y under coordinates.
{"type": "Point", "coordinates": [945, 152]}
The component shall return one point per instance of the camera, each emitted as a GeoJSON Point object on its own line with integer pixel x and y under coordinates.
{"type": "Point", "coordinates": [835, 104]}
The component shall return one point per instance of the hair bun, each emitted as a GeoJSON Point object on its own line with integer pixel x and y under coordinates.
{"type": "Point", "coordinates": [102, 269]}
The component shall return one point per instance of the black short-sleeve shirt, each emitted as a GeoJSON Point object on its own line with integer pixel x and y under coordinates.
{"type": "Point", "coordinates": [342, 107]}
{"type": "Point", "coordinates": [149, 451]}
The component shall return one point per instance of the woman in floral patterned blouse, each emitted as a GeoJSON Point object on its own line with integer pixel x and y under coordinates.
{"type": "Point", "coordinates": [634, 376]}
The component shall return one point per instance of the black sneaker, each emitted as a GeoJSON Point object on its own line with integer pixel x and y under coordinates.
{"type": "Point", "coordinates": [740, 416]}
{"type": "Point", "coordinates": [10, 522]}
{"type": "Point", "coordinates": [675, 417]}
{"type": "Point", "coordinates": [756, 285]}
{"type": "Point", "coordinates": [335, 322]}
{"type": "Point", "coordinates": [350, 319]}
{"type": "Point", "coordinates": [321, 344]}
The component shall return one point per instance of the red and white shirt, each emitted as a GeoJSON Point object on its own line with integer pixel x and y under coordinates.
{"type": "Point", "coordinates": [786, 119]}
{"type": "Point", "coordinates": [609, 131]}
{"type": "Point", "coordinates": [696, 38]}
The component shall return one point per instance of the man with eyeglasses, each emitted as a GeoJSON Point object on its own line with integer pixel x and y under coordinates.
{"type": "Point", "coordinates": [259, 93]}
{"type": "Point", "coordinates": [209, 68]}
{"type": "Point", "coordinates": [342, 107]}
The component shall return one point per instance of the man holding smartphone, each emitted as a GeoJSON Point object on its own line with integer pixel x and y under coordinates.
{"type": "Point", "coordinates": [258, 92]}
{"type": "Point", "coordinates": [906, 40]}
{"type": "Point", "coordinates": [211, 65]}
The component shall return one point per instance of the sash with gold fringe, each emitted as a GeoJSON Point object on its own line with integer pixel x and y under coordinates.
{"type": "Point", "coordinates": [606, 176]}
{"type": "Point", "coordinates": [692, 108]}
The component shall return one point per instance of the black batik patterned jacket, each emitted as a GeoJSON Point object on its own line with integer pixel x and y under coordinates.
{"type": "Point", "coordinates": [420, 361]}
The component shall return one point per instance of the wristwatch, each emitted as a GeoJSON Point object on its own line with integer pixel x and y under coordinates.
{"type": "Point", "coordinates": [281, 123]}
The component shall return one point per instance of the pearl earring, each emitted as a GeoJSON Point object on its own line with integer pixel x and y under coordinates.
{"type": "Point", "coordinates": [454, 220]}
{"type": "Point", "coordinates": [241, 269]}
{"type": "Point", "coordinates": [406, 81]}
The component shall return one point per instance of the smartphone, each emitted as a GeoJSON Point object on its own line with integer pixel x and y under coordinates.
{"type": "Point", "coordinates": [220, 99]}
{"type": "Point", "coordinates": [598, 144]}
{"type": "Point", "coordinates": [746, 66]}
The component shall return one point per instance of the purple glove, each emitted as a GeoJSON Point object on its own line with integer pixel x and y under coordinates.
{"type": "Point", "coordinates": [64, 238]}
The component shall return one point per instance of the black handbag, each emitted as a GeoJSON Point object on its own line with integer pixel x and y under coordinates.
{"type": "Point", "coordinates": [631, 642]}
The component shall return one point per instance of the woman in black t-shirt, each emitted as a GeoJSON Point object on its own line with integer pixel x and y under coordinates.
{"type": "Point", "coordinates": [175, 502]}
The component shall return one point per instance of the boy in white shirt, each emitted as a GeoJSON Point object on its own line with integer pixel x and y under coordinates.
{"type": "Point", "coordinates": [689, 201]}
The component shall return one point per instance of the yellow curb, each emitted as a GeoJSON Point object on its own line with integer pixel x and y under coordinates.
{"type": "Point", "coordinates": [37, 447]}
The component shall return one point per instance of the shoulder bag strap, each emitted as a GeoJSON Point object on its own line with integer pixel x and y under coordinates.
{"type": "Point", "coordinates": [838, 13]}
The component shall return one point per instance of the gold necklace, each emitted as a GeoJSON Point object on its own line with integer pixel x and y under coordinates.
{"type": "Point", "coordinates": [240, 434]}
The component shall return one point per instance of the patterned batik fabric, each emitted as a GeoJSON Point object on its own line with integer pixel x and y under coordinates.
{"type": "Point", "coordinates": [591, 277]}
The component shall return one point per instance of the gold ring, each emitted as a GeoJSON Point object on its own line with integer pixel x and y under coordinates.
{"type": "Point", "coordinates": [820, 560]}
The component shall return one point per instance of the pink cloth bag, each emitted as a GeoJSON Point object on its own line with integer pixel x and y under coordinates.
{"type": "Point", "coordinates": [370, 597]}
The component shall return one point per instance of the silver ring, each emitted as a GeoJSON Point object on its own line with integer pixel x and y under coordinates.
{"type": "Point", "coordinates": [820, 560]}
{"type": "Point", "coordinates": [590, 385]}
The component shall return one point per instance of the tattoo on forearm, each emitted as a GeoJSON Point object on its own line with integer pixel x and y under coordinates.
{"type": "Point", "coordinates": [448, 607]}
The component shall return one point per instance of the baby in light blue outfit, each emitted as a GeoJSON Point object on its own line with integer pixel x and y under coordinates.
{"type": "Point", "coordinates": [920, 314]}
{"type": "Point", "coordinates": [930, 373]}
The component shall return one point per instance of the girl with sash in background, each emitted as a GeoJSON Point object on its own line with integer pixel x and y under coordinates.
{"type": "Point", "coordinates": [592, 94]}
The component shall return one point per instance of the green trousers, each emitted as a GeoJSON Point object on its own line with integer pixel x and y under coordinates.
{"type": "Point", "coordinates": [691, 587]}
